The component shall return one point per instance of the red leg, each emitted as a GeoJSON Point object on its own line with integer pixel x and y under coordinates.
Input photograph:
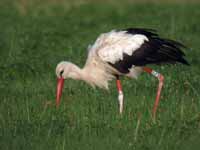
{"type": "Point", "coordinates": [120, 95]}
{"type": "Point", "coordinates": [160, 85]}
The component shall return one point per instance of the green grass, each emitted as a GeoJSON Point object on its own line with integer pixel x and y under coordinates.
{"type": "Point", "coordinates": [32, 44]}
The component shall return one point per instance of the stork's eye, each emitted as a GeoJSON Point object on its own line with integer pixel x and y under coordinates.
{"type": "Point", "coordinates": [61, 72]}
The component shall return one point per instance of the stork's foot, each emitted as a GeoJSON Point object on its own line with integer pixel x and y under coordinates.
{"type": "Point", "coordinates": [160, 78]}
{"type": "Point", "coordinates": [160, 85]}
{"type": "Point", "coordinates": [120, 95]}
{"type": "Point", "coordinates": [121, 103]}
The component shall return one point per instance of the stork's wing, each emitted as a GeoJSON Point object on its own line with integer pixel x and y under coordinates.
{"type": "Point", "coordinates": [138, 47]}
{"type": "Point", "coordinates": [110, 47]}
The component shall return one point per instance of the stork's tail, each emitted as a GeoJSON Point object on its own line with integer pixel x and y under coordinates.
{"type": "Point", "coordinates": [170, 50]}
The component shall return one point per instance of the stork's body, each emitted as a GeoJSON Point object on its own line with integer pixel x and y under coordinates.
{"type": "Point", "coordinates": [122, 53]}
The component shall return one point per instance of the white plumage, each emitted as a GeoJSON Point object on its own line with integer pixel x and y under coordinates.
{"type": "Point", "coordinates": [111, 46]}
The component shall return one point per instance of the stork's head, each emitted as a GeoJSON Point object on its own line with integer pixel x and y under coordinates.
{"type": "Point", "coordinates": [65, 70]}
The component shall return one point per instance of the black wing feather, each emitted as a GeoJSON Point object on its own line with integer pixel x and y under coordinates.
{"type": "Point", "coordinates": [155, 51]}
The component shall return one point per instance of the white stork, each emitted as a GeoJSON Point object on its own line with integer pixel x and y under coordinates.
{"type": "Point", "coordinates": [122, 53]}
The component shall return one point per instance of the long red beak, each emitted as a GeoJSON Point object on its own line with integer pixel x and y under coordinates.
{"type": "Point", "coordinates": [60, 84]}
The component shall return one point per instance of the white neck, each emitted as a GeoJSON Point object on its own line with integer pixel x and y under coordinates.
{"type": "Point", "coordinates": [93, 75]}
{"type": "Point", "coordinates": [76, 73]}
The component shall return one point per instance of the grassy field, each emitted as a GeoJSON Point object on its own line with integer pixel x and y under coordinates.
{"type": "Point", "coordinates": [34, 40]}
